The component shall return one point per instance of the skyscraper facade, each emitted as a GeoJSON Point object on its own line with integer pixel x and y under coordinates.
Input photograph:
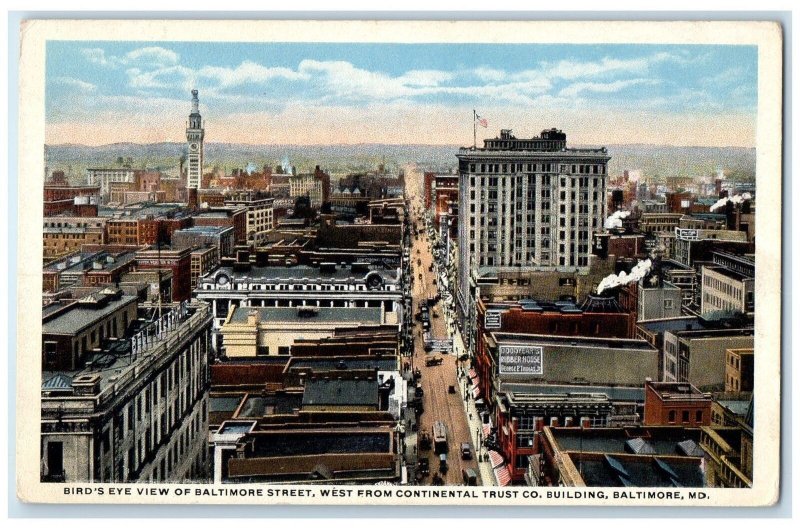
{"type": "Point", "coordinates": [528, 205]}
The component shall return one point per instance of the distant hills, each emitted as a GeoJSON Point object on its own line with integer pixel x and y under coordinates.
{"type": "Point", "coordinates": [658, 161]}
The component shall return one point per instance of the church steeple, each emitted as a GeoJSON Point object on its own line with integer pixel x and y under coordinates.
{"type": "Point", "coordinates": [194, 138]}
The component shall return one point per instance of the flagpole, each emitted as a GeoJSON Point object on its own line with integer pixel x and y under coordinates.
{"type": "Point", "coordinates": [474, 130]}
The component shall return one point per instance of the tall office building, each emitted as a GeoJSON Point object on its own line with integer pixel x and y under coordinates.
{"type": "Point", "coordinates": [194, 139]}
{"type": "Point", "coordinates": [527, 205]}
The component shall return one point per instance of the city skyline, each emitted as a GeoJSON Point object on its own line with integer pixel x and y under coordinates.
{"type": "Point", "coordinates": [400, 93]}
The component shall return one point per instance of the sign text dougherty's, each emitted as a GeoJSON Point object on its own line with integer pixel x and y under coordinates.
{"type": "Point", "coordinates": [521, 359]}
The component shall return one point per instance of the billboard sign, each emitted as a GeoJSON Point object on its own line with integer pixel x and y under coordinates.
{"type": "Point", "coordinates": [521, 360]}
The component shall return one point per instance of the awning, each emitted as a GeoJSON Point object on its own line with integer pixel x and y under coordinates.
{"type": "Point", "coordinates": [495, 458]}
{"type": "Point", "coordinates": [487, 429]}
{"type": "Point", "coordinates": [476, 392]}
{"type": "Point", "coordinates": [472, 373]}
{"type": "Point", "coordinates": [502, 475]}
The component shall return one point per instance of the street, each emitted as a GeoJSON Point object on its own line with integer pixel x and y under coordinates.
{"type": "Point", "coordinates": [439, 403]}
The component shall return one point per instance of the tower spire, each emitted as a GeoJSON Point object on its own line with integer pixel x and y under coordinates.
{"type": "Point", "coordinates": [195, 102]}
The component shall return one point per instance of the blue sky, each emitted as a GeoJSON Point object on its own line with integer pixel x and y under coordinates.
{"type": "Point", "coordinates": [103, 92]}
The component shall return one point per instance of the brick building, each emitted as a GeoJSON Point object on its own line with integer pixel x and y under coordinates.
{"type": "Point", "coordinates": [203, 261]}
{"type": "Point", "coordinates": [177, 261]}
{"type": "Point", "coordinates": [64, 235]}
{"type": "Point", "coordinates": [674, 403]}
{"type": "Point", "coordinates": [59, 196]}
{"type": "Point", "coordinates": [224, 216]}
{"type": "Point", "coordinates": [739, 370]}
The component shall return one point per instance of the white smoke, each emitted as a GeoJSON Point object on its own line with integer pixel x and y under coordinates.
{"type": "Point", "coordinates": [736, 199]}
{"type": "Point", "coordinates": [638, 272]}
{"type": "Point", "coordinates": [615, 220]}
{"type": "Point", "coordinates": [286, 166]}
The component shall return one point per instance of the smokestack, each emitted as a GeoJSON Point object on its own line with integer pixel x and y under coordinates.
{"type": "Point", "coordinates": [192, 197]}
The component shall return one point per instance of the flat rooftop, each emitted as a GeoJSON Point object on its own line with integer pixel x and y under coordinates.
{"type": "Point", "coordinates": [614, 393]}
{"type": "Point", "coordinates": [204, 230]}
{"type": "Point", "coordinates": [504, 338]}
{"type": "Point", "coordinates": [341, 392]}
{"type": "Point", "coordinates": [659, 441]}
{"type": "Point", "coordinates": [82, 315]}
{"type": "Point", "coordinates": [386, 363]}
{"type": "Point", "coordinates": [255, 406]}
{"type": "Point", "coordinates": [727, 272]}
{"type": "Point", "coordinates": [301, 272]}
{"type": "Point", "coordinates": [673, 324]}
{"type": "Point", "coordinates": [369, 315]}
{"type": "Point", "coordinates": [114, 361]}
{"type": "Point", "coordinates": [310, 442]}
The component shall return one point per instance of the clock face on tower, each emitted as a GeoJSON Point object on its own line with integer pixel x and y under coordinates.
{"type": "Point", "coordinates": [193, 147]}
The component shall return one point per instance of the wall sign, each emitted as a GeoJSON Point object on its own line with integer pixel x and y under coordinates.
{"type": "Point", "coordinates": [493, 319]}
{"type": "Point", "coordinates": [521, 360]}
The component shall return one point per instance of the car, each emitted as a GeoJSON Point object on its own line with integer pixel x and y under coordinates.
{"type": "Point", "coordinates": [424, 467]}
{"type": "Point", "coordinates": [470, 477]}
{"type": "Point", "coordinates": [418, 392]}
{"type": "Point", "coordinates": [466, 451]}
{"type": "Point", "coordinates": [443, 463]}
{"type": "Point", "coordinates": [433, 362]}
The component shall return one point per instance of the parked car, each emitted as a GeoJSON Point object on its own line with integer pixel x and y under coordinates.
{"type": "Point", "coordinates": [470, 477]}
{"type": "Point", "coordinates": [423, 466]}
{"type": "Point", "coordinates": [443, 463]}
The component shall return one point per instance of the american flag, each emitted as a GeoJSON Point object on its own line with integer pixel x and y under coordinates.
{"type": "Point", "coordinates": [481, 121]}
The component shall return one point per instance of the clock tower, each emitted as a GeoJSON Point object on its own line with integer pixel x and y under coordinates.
{"type": "Point", "coordinates": [194, 139]}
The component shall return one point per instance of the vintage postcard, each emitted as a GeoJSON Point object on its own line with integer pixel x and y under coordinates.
{"type": "Point", "coordinates": [387, 262]}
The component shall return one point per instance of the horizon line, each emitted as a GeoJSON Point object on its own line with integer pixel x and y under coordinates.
{"type": "Point", "coordinates": [387, 144]}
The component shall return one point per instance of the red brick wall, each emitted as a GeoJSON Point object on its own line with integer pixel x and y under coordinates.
{"type": "Point", "coordinates": [657, 411]}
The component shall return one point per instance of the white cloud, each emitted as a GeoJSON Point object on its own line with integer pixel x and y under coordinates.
{"type": "Point", "coordinates": [166, 77]}
{"type": "Point", "coordinates": [485, 73]}
{"type": "Point", "coordinates": [81, 86]}
{"type": "Point", "coordinates": [147, 57]}
{"type": "Point", "coordinates": [155, 55]}
{"type": "Point", "coordinates": [606, 88]}
{"type": "Point", "coordinates": [98, 56]}
{"type": "Point", "coordinates": [248, 72]}
{"type": "Point", "coordinates": [424, 77]}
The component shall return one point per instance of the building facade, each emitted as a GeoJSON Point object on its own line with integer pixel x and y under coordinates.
{"type": "Point", "coordinates": [726, 290]}
{"type": "Point", "coordinates": [259, 217]}
{"type": "Point", "coordinates": [194, 139]}
{"type": "Point", "coordinates": [105, 177]}
{"type": "Point", "coordinates": [675, 403]}
{"type": "Point", "coordinates": [527, 204]}
{"type": "Point", "coordinates": [326, 285]}
{"type": "Point", "coordinates": [136, 410]}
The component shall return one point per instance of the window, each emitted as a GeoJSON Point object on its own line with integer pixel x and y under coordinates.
{"type": "Point", "coordinates": [685, 416]}
{"type": "Point", "coordinates": [698, 416]}
{"type": "Point", "coordinates": [283, 350]}
{"type": "Point", "coordinates": [672, 415]}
